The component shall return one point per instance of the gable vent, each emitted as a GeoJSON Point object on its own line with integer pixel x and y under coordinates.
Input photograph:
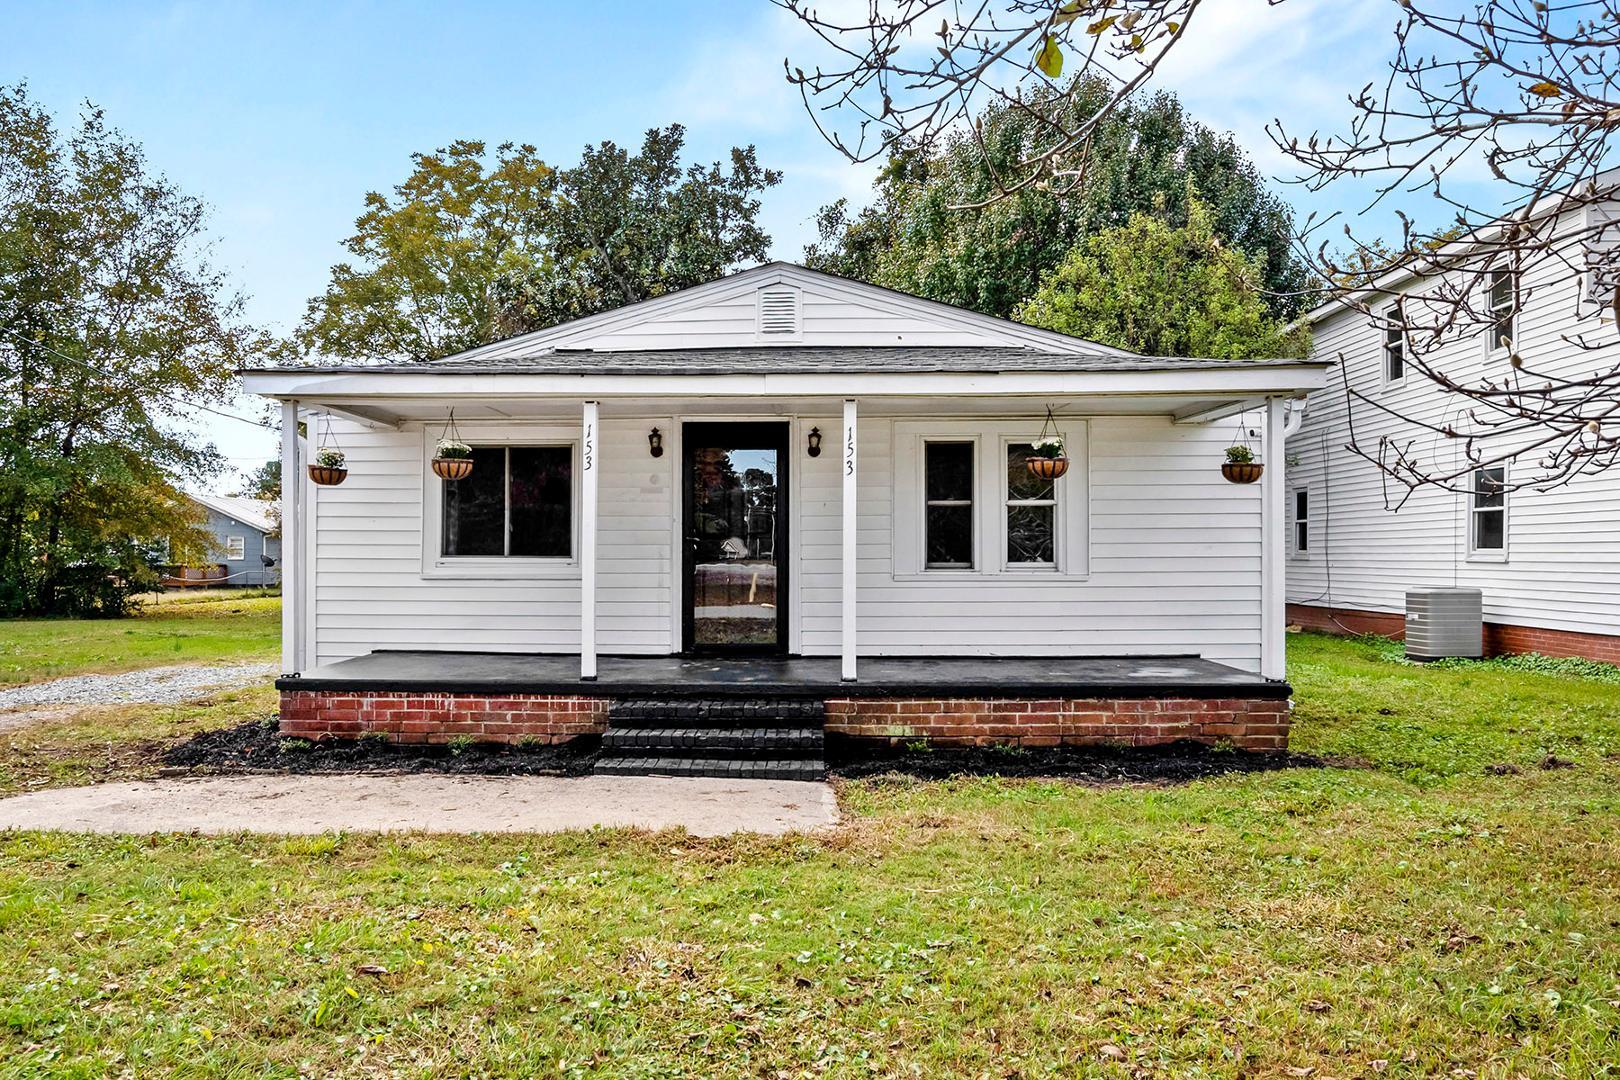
{"type": "Point", "coordinates": [779, 313]}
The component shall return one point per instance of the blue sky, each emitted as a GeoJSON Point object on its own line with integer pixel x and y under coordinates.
{"type": "Point", "coordinates": [281, 116]}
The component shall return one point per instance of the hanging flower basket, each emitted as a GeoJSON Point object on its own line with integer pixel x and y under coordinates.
{"type": "Point", "coordinates": [1047, 458]}
{"type": "Point", "coordinates": [1240, 466]}
{"type": "Point", "coordinates": [452, 460]}
{"type": "Point", "coordinates": [328, 468]}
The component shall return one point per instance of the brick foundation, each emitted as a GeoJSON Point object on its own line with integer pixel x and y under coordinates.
{"type": "Point", "coordinates": [438, 718]}
{"type": "Point", "coordinates": [1248, 723]}
{"type": "Point", "coordinates": [1500, 638]}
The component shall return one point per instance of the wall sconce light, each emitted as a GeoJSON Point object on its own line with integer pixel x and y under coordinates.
{"type": "Point", "coordinates": [655, 442]}
{"type": "Point", "coordinates": [815, 442]}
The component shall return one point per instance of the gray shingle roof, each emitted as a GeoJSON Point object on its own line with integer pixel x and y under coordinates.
{"type": "Point", "coordinates": [803, 360]}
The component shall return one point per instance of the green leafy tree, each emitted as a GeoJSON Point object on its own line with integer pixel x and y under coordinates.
{"type": "Point", "coordinates": [429, 256]}
{"type": "Point", "coordinates": [625, 227]}
{"type": "Point", "coordinates": [110, 319]}
{"type": "Point", "coordinates": [943, 227]}
{"type": "Point", "coordinates": [1164, 290]}
{"type": "Point", "coordinates": [464, 253]}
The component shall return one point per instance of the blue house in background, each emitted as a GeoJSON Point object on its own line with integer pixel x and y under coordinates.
{"type": "Point", "coordinates": [245, 551]}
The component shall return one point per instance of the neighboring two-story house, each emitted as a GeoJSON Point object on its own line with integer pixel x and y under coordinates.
{"type": "Point", "coordinates": [1547, 561]}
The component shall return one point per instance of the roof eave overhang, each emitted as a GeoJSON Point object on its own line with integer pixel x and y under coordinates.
{"type": "Point", "coordinates": [1267, 379]}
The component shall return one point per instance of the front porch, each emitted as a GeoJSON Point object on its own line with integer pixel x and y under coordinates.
{"type": "Point", "coordinates": [768, 716]}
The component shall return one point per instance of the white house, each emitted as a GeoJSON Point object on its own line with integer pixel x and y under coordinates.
{"type": "Point", "coordinates": [1546, 561]}
{"type": "Point", "coordinates": [785, 486]}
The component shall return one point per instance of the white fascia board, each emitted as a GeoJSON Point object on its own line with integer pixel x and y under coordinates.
{"type": "Point", "coordinates": [313, 387]}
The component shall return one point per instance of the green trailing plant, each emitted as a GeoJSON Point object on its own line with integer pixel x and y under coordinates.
{"type": "Point", "coordinates": [1239, 455]}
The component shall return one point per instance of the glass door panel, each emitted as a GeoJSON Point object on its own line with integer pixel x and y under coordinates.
{"type": "Point", "coordinates": [734, 536]}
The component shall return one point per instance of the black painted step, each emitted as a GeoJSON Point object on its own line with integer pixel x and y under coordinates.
{"type": "Point", "coordinates": [723, 768]}
{"type": "Point", "coordinates": [743, 742]}
{"type": "Point", "coordinates": [716, 712]}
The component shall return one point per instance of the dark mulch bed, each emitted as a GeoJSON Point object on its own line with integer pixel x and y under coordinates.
{"type": "Point", "coordinates": [258, 747]}
{"type": "Point", "coordinates": [1172, 763]}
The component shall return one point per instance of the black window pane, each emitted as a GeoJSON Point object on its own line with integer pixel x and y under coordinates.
{"type": "Point", "coordinates": [1302, 505]}
{"type": "Point", "coordinates": [1488, 488]}
{"type": "Point", "coordinates": [1021, 483]}
{"type": "Point", "coordinates": [950, 470]}
{"type": "Point", "coordinates": [474, 510]}
{"type": "Point", "coordinates": [1488, 530]}
{"type": "Point", "coordinates": [1029, 534]}
{"type": "Point", "coordinates": [950, 536]}
{"type": "Point", "coordinates": [542, 501]}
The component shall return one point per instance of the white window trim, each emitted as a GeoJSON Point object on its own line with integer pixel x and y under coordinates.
{"type": "Point", "coordinates": [495, 567]}
{"type": "Point", "coordinates": [235, 548]}
{"type": "Point", "coordinates": [1393, 312]}
{"type": "Point", "coordinates": [991, 436]}
{"type": "Point", "coordinates": [1487, 555]}
{"type": "Point", "coordinates": [1294, 550]}
{"type": "Point", "coordinates": [1493, 346]}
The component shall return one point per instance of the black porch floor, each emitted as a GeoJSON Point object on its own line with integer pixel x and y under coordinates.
{"type": "Point", "coordinates": [811, 676]}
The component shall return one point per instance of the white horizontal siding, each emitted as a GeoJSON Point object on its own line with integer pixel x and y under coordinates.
{"type": "Point", "coordinates": [1174, 559]}
{"type": "Point", "coordinates": [1563, 556]}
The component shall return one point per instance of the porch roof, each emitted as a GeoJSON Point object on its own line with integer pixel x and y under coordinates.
{"type": "Point", "coordinates": [797, 676]}
{"type": "Point", "coordinates": [793, 360]}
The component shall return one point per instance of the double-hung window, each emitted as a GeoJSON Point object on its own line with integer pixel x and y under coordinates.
{"type": "Point", "coordinates": [1031, 507]}
{"type": "Point", "coordinates": [1503, 304]}
{"type": "Point", "coordinates": [235, 548]}
{"type": "Point", "coordinates": [1395, 342]}
{"type": "Point", "coordinates": [517, 502]}
{"type": "Point", "coordinates": [1302, 521]}
{"type": "Point", "coordinates": [1487, 512]}
{"type": "Point", "coordinates": [948, 505]}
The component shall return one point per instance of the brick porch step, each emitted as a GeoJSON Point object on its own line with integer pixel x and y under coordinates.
{"type": "Point", "coordinates": [716, 712]}
{"type": "Point", "coordinates": [741, 738]}
{"type": "Point", "coordinates": [743, 742]}
{"type": "Point", "coordinates": [723, 768]}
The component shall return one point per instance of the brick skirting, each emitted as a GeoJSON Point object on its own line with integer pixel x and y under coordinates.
{"type": "Point", "coordinates": [1247, 723]}
{"type": "Point", "coordinates": [1500, 638]}
{"type": "Point", "coordinates": [438, 718]}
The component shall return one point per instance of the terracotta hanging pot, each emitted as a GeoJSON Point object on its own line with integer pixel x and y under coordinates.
{"type": "Point", "coordinates": [1048, 468]}
{"type": "Point", "coordinates": [452, 468]}
{"type": "Point", "coordinates": [328, 475]}
{"type": "Point", "coordinates": [1242, 472]}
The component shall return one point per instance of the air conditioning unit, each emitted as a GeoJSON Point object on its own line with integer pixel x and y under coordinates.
{"type": "Point", "coordinates": [1444, 622]}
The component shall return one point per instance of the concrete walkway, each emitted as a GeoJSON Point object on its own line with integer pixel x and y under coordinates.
{"type": "Point", "coordinates": [426, 802]}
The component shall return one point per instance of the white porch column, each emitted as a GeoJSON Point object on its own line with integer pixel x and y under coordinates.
{"type": "Point", "coordinates": [847, 607]}
{"type": "Point", "coordinates": [1273, 592]}
{"type": "Point", "coordinates": [292, 542]}
{"type": "Point", "coordinates": [587, 544]}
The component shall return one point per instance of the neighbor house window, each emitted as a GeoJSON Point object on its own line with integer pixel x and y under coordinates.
{"type": "Point", "coordinates": [235, 548]}
{"type": "Point", "coordinates": [1031, 512]}
{"type": "Point", "coordinates": [1504, 310]}
{"type": "Point", "coordinates": [1302, 521]}
{"type": "Point", "coordinates": [1395, 342]}
{"type": "Point", "coordinates": [518, 501]}
{"type": "Point", "coordinates": [1488, 511]}
{"type": "Point", "coordinates": [948, 505]}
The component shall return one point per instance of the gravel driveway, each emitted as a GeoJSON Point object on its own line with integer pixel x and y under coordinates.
{"type": "Point", "coordinates": [156, 686]}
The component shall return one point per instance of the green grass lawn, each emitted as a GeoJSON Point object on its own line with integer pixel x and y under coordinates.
{"type": "Point", "coordinates": [1406, 913]}
{"type": "Point", "coordinates": [184, 630]}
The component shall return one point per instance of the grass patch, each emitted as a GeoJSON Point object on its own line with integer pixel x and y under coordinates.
{"type": "Point", "coordinates": [1417, 918]}
{"type": "Point", "coordinates": [196, 631]}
